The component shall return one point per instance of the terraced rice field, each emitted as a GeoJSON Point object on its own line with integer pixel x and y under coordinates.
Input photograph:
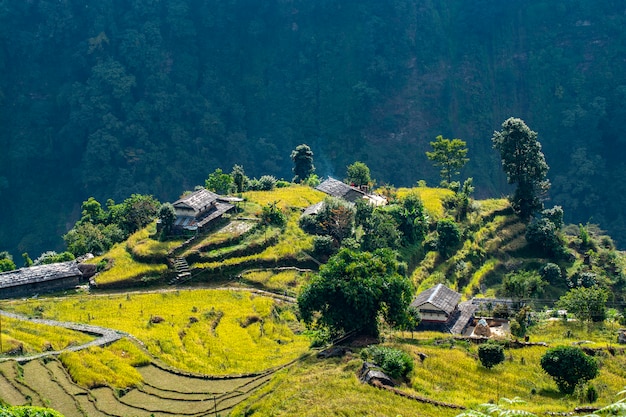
{"type": "Point", "coordinates": [164, 392]}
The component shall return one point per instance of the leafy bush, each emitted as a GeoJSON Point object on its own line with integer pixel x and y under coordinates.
{"type": "Point", "coordinates": [449, 236]}
{"type": "Point", "coordinates": [501, 311]}
{"type": "Point", "coordinates": [543, 234]}
{"type": "Point", "coordinates": [267, 183]}
{"type": "Point", "coordinates": [551, 273]}
{"type": "Point", "coordinates": [51, 257]}
{"type": "Point", "coordinates": [323, 245]}
{"type": "Point", "coordinates": [568, 366]}
{"type": "Point", "coordinates": [490, 354]}
{"type": "Point", "coordinates": [272, 215]}
{"type": "Point", "coordinates": [396, 363]}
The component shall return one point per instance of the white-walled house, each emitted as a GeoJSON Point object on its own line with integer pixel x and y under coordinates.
{"type": "Point", "coordinates": [437, 304]}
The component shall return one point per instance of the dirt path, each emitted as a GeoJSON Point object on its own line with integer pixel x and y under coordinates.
{"type": "Point", "coordinates": [103, 335]}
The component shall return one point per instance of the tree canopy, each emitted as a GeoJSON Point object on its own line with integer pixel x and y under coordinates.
{"type": "Point", "coordinates": [587, 304]}
{"type": "Point", "coordinates": [568, 366]}
{"type": "Point", "coordinates": [358, 174]}
{"type": "Point", "coordinates": [524, 165]}
{"type": "Point", "coordinates": [303, 167]}
{"type": "Point", "coordinates": [450, 155]}
{"type": "Point", "coordinates": [354, 290]}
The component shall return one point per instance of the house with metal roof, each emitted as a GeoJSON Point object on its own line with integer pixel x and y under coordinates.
{"type": "Point", "coordinates": [200, 208]}
{"type": "Point", "coordinates": [440, 309]}
{"type": "Point", "coordinates": [39, 279]}
{"type": "Point", "coordinates": [339, 189]}
{"type": "Point", "coordinates": [336, 188]}
{"type": "Point", "coordinates": [437, 304]}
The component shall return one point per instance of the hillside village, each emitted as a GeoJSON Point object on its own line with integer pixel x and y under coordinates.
{"type": "Point", "coordinates": [464, 271]}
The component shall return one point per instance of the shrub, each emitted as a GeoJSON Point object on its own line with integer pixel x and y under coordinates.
{"type": "Point", "coordinates": [543, 234]}
{"type": "Point", "coordinates": [591, 395]}
{"type": "Point", "coordinates": [501, 311]}
{"type": "Point", "coordinates": [449, 236]}
{"type": "Point", "coordinates": [267, 183]}
{"type": "Point", "coordinates": [396, 363]}
{"type": "Point", "coordinates": [490, 354]}
{"type": "Point", "coordinates": [568, 366]}
{"type": "Point", "coordinates": [551, 273]}
{"type": "Point", "coordinates": [323, 245]}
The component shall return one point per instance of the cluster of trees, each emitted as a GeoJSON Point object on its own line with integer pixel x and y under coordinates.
{"type": "Point", "coordinates": [569, 366]}
{"type": "Point", "coordinates": [98, 228]}
{"type": "Point", "coordinates": [144, 98]}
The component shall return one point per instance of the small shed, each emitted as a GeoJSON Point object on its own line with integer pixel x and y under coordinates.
{"type": "Point", "coordinates": [39, 279]}
{"type": "Point", "coordinates": [437, 304]}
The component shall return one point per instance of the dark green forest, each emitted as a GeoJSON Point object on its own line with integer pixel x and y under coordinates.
{"type": "Point", "coordinates": [108, 98]}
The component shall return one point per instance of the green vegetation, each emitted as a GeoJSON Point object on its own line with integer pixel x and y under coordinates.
{"type": "Point", "coordinates": [450, 156]}
{"type": "Point", "coordinates": [524, 165]}
{"type": "Point", "coordinates": [490, 354]}
{"type": "Point", "coordinates": [27, 411]}
{"type": "Point", "coordinates": [569, 366]}
{"type": "Point", "coordinates": [303, 167]}
{"type": "Point", "coordinates": [358, 174]}
{"type": "Point", "coordinates": [396, 363]}
{"type": "Point", "coordinates": [354, 290]}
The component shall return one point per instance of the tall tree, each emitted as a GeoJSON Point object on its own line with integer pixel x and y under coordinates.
{"type": "Point", "coordinates": [303, 167]}
{"type": "Point", "coordinates": [354, 290]}
{"type": "Point", "coordinates": [524, 165]}
{"type": "Point", "coordinates": [450, 156]}
{"type": "Point", "coordinates": [359, 174]}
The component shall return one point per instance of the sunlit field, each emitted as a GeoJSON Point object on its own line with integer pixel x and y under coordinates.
{"type": "Point", "coordinates": [206, 331]}
{"type": "Point", "coordinates": [124, 267]}
{"type": "Point", "coordinates": [431, 198]}
{"type": "Point", "coordinates": [300, 196]}
{"type": "Point", "coordinates": [24, 337]}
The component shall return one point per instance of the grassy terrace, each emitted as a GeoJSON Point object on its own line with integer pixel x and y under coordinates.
{"type": "Point", "coordinates": [24, 337]}
{"type": "Point", "coordinates": [207, 331]}
{"type": "Point", "coordinates": [451, 373]}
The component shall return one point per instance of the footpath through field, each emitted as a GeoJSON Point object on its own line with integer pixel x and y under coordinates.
{"type": "Point", "coordinates": [104, 336]}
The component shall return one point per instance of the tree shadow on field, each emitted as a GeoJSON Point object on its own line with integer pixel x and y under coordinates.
{"type": "Point", "coordinates": [550, 393]}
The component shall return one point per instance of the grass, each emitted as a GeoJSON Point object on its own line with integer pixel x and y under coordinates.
{"type": "Point", "coordinates": [125, 267]}
{"type": "Point", "coordinates": [199, 331]}
{"type": "Point", "coordinates": [287, 282]}
{"type": "Point", "coordinates": [298, 196]}
{"type": "Point", "coordinates": [473, 286]}
{"type": "Point", "coordinates": [291, 245]}
{"type": "Point", "coordinates": [330, 388]}
{"type": "Point", "coordinates": [431, 197]}
{"type": "Point", "coordinates": [142, 246]}
{"type": "Point", "coordinates": [36, 338]}
{"type": "Point", "coordinates": [113, 366]}
{"type": "Point", "coordinates": [451, 373]}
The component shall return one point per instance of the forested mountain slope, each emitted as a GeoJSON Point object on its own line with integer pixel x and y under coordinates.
{"type": "Point", "coordinates": [109, 98]}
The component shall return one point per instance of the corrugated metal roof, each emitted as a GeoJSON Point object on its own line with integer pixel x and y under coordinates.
{"type": "Point", "coordinates": [340, 189]}
{"type": "Point", "coordinates": [198, 200]}
{"type": "Point", "coordinates": [440, 296]}
{"type": "Point", "coordinates": [39, 273]}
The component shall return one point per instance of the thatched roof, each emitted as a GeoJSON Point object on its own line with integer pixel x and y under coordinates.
{"type": "Point", "coordinates": [439, 296]}
{"type": "Point", "coordinates": [336, 188]}
{"type": "Point", "coordinates": [38, 274]}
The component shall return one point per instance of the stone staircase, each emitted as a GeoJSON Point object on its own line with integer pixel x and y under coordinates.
{"type": "Point", "coordinates": [183, 273]}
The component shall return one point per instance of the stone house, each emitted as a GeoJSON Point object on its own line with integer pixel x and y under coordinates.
{"type": "Point", "coordinates": [25, 282]}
